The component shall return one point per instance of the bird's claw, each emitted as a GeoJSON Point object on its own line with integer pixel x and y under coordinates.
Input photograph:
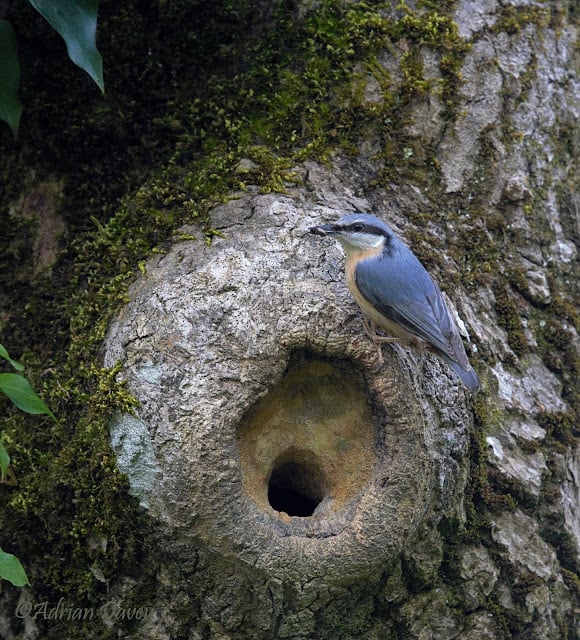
{"type": "Point", "coordinates": [371, 330]}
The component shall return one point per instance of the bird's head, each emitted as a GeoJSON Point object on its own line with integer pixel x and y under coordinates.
{"type": "Point", "coordinates": [357, 232]}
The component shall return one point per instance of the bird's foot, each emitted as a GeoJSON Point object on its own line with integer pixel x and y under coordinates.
{"type": "Point", "coordinates": [370, 328]}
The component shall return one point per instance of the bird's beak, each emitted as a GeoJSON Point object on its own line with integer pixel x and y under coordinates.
{"type": "Point", "coordinates": [323, 230]}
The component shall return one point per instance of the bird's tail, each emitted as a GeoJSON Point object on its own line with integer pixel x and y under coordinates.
{"type": "Point", "coordinates": [467, 376]}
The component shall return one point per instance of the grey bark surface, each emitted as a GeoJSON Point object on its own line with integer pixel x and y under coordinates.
{"type": "Point", "coordinates": [211, 330]}
{"type": "Point", "coordinates": [249, 354]}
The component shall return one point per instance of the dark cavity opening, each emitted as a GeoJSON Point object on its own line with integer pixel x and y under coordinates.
{"type": "Point", "coordinates": [296, 487]}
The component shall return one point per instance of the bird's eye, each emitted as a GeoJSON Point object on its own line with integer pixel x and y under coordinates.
{"type": "Point", "coordinates": [358, 227]}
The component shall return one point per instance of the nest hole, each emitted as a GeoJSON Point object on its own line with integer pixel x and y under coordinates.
{"type": "Point", "coordinates": [297, 485]}
{"type": "Point", "coordinates": [310, 440]}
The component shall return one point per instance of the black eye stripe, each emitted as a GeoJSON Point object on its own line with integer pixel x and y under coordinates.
{"type": "Point", "coordinates": [360, 227]}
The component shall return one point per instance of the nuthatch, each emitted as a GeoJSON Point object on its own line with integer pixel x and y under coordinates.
{"type": "Point", "coordinates": [395, 292]}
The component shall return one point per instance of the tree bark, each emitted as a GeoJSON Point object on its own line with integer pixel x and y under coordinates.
{"type": "Point", "coordinates": [291, 489]}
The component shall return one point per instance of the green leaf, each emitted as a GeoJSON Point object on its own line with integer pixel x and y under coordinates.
{"type": "Point", "coordinates": [10, 106]}
{"type": "Point", "coordinates": [18, 389]}
{"type": "Point", "coordinates": [4, 354]}
{"type": "Point", "coordinates": [12, 570]}
{"type": "Point", "coordinates": [4, 461]}
{"type": "Point", "coordinates": [76, 22]}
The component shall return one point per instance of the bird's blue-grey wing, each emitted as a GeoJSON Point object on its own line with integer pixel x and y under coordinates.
{"type": "Point", "coordinates": [408, 296]}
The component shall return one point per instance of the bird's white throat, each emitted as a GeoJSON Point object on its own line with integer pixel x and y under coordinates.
{"type": "Point", "coordinates": [357, 242]}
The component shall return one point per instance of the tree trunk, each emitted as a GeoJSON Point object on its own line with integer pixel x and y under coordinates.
{"type": "Point", "coordinates": [291, 488]}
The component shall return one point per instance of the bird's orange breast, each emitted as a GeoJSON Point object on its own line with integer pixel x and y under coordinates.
{"type": "Point", "coordinates": [352, 260]}
{"type": "Point", "coordinates": [388, 326]}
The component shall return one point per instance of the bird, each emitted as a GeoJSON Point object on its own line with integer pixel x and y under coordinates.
{"type": "Point", "coordinates": [396, 293]}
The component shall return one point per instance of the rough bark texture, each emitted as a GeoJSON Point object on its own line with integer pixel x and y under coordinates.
{"type": "Point", "coordinates": [263, 316]}
{"type": "Point", "coordinates": [292, 490]}
{"type": "Point", "coordinates": [242, 353]}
